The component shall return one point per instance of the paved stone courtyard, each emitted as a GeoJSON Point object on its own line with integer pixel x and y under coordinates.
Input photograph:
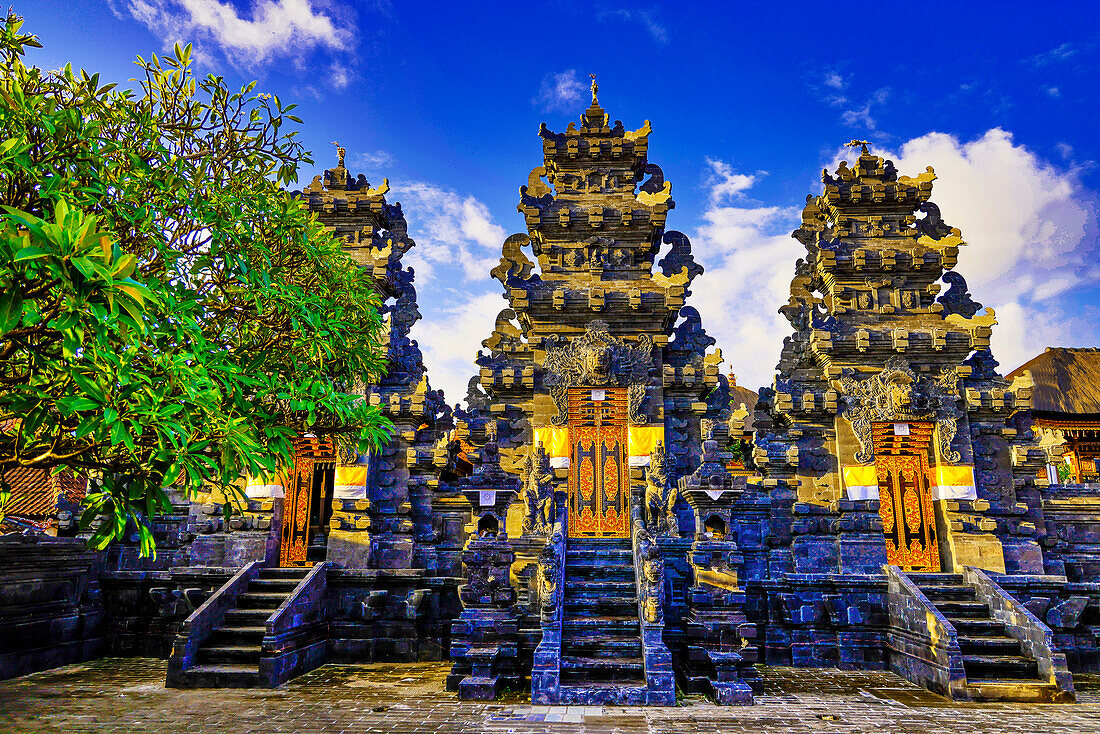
{"type": "Point", "coordinates": [128, 695]}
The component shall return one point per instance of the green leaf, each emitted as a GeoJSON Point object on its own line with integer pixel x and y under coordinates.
{"type": "Point", "coordinates": [31, 253]}
{"type": "Point", "coordinates": [74, 403]}
{"type": "Point", "coordinates": [11, 309]}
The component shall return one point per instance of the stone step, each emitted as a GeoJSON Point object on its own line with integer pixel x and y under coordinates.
{"type": "Point", "coordinates": [284, 573]}
{"type": "Point", "coordinates": [220, 676]}
{"type": "Point", "coordinates": [1026, 691]}
{"type": "Point", "coordinates": [977, 627]}
{"type": "Point", "coordinates": [597, 573]}
{"type": "Point", "coordinates": [237, 636]}
{"type": "Point", "coordinates": [604, 694]}
{"type": "Point", "coordinates": [599, 586]}
{"type": "Point", "coordinates": [936, 579]}
{"type": "Point", "coordinates": [950, 593]}
{"type": "Point", "coordinates": [595, 625]}
{"type": "Point", "coordinates": [602, 646]}
{"type": "Point", "coordinates": [285, 585]}
{"type": "Point", "coordinates": [963, 609]}
{"type": "Point", "coordinates": [619, 604]}
{"type": "Point", "coordinates": [230, 654]}
{"type": "Point", "coordinates": [598, 555]}
{"type": "Point", "coordinates": [1001, 667]}
{"type": "Point", "coordinates": [247, 617]}
{"type": "Point", "coordinates": [617, 665]}
{"type": "Point", "coordinates": [269, 600]}
{"type": "Point", "coordinates": [990, 645]}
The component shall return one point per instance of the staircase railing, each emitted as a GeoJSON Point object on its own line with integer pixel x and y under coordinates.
{"type": "Point", "coordinates": [1035, 638]}
{"type": "Point", "coordinates": [203, 621]}
{"type": "Point", "coordinates": [924, 646]}
{"type": "Point", "coordinates": [296, 634]}
{"type": "Point", "coordinates": [649, 580]}
{"type": "Point", "coordinates": [546, 665]}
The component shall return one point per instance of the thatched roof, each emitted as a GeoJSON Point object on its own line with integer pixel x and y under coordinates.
{"type": "Point", "coordinates": [1067, 380]}
{"type": "Point", "coordinates": [743, 395]}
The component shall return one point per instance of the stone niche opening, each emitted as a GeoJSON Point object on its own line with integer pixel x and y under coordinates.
{"type": "Point", "coordinates": [488, 526]}
{"type": "Point", "coordinates": [715, 528]}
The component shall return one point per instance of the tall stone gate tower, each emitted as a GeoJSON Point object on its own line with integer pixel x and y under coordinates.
{"type": "Point", "coordinates": [887, 394]}
{"type": "Point", "coordinates": [599, 392]}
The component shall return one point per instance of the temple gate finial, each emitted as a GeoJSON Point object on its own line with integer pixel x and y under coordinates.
{"type": "Point", "coordinates": [595, 88]}
{"type": "Point", "coordinates": [339, 154]}
{"type": "Point", "coordinates": [854, 143]}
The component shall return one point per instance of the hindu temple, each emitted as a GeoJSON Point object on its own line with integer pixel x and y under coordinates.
{"type": "Point", "coordinates": [609, 518]}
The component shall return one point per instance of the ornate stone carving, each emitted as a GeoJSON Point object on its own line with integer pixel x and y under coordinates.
{"type": "Point", "coordinates": [596, 358]}
{"type": "Point", "coordinates": [660, 495]}
{"type": "Point", "coordinates": [537, 492]}
{"type": "Point", "coordinates": [549, 578]}
{"type": "Point", "coordinates": [897, 394]}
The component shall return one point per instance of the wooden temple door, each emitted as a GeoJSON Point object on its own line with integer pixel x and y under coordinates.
{"type": "Point", "coordinates": [299, 502]}
{"type": "Point", "coordinates": [599, 473]}
{"type": "Point", "coordinates": [905, 495]}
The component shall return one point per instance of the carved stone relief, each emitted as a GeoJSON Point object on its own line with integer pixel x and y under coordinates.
{"type": "Point", "coordinates": [898, 394]}
{"type": "Point", "coordinates": [596, 358]}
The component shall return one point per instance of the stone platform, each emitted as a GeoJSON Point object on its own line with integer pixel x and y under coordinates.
{"type": "Point", "coordinates": [128, 695]}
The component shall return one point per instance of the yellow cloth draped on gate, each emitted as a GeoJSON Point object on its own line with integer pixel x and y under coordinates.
{"type": "Point", "coordinates": [350, 483]}
{"type": "Point", "coordinates": [642, 440]}
{"type": "Point", "coordinates": [953, 483]}
{"type": "Point", "coordinates": [265, 485]}
{"type": "Point", "coordinates": [554, 440]}
{"type": "Point", "coordinates": [861, 482]}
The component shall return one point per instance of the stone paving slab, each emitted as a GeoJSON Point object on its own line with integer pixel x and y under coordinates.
{"type": "Point", "coordinates": [128, 695]}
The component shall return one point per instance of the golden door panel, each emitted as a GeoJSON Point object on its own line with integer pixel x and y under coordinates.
{"type": "Point", "coordinates": [294, 538]}
{"type": "Point", "coordinates": [599, 476]}
{"type": "Point", "coordinates": [908, 518]}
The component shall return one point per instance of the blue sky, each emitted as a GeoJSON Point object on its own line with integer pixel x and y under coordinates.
{"type": "Point", "coordinates": [748, 102]}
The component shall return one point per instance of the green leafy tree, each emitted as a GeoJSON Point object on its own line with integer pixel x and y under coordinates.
{"type": "Point", "coordinates": [169, 315]}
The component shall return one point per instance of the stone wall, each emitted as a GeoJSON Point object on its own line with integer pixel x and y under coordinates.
{"type": "Point", "coordinates": [51, 611]}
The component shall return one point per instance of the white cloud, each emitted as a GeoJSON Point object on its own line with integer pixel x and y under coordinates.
{"type": "Point", "coordinates": [451, 335]}
{"type": "Point", "coordinates": [1056, 55]}
{"type": "Point", "coordinates": [457, 244]}
{"type": "Point", "coordinates": [369, 163]}
{"type": "Point", "coordinates": [725, 183]}
{"type": "Point", "coordinates": [1054, 91]}
{"type": "Point", "coordinates": [862, 115]}
{"type": "Point", "coordinates": [450, 229]}
{"type": "Point", "coordinates": [834, 80]}
{"type": "Point", "coordinates": [647, 18]}
{"type": "Point", "coordinates": [339, 76]}
{"type": "Point", "coordinates": [273, 29]}
{"type": "Point", "coordinates": [749, 255]}
{"type": "Point", "coordinates": [562, 91]}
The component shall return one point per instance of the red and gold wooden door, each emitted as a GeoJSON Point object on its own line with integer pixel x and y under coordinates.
{"type": "Point", "coordinates": [599, 475]}
{"type": "Point", "coordinates": [300, 505]}
{"type": "Point", "coordinates": [905, 496]}
{"type": "Point", "coordinates": [294, 540]}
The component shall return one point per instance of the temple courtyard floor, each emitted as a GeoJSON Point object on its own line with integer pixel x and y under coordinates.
{"type": "Point", "coordinates": [128, 695]}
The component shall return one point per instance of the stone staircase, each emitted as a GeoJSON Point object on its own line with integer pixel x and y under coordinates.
{"type": "Point", "coordinates": [996, 666]}
{"type": "Point", "coordinates": [601, 648]}
{"type": "Point", "coordinates": [230, 656]}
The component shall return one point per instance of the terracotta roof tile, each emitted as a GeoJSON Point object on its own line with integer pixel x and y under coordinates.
{"type": "Point", "coordinates": [35, 494]}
